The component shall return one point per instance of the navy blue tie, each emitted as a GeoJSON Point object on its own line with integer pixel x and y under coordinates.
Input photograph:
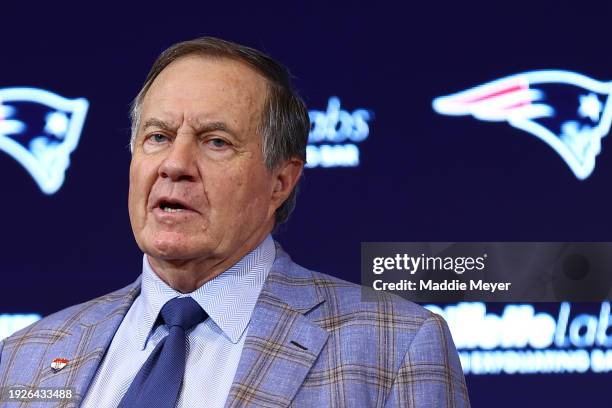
{"type": "Point", "coordinates": [159, 381]}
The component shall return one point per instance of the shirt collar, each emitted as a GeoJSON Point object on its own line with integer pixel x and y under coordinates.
{"type": "Point", "coordinates": [229, 298]}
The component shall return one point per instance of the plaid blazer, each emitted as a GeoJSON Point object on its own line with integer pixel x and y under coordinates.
{"type": "Point", "coordinates": [312, 342]}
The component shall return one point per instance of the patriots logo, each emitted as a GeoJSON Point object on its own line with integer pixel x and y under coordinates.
{"type": "Point", "coordinates": [568, 111]}
{"type": "Point", "coordinates": [40, 129]}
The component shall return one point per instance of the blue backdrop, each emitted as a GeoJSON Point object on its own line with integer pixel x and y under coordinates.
{"type": "Point", "coordinates": [421, 176]}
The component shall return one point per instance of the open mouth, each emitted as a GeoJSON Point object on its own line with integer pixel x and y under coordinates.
{"type": "Point", "coordinates": [171, 206]}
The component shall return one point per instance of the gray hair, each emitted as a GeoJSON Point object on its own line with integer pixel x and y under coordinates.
{"type": "Point", "coordinates": [284, 124]}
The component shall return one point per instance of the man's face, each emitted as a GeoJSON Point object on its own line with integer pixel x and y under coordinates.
{"type": "Point", "coordinates": [199, 188]}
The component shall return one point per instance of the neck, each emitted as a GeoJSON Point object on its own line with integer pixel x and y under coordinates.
{"type": "Point", "coordinates": [187, 275]}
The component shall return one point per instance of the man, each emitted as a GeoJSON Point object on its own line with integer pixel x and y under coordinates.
{"type": "Point", "coordinates": [221, 316]}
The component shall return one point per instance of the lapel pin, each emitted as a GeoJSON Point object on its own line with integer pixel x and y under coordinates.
{"type": "Point", "coordinates": [58, 363]}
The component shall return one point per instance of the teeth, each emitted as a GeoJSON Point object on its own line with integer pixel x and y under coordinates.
{"type": "Point", "coordinates": [172, 210]}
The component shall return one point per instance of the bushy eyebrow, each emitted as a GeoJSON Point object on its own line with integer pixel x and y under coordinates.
{"type": "Point", "coordinates": [160, 124]}
{"type": "Point", "coordinates": [215, 126]}
{"type": "Point", "coordinates": [202, 128]}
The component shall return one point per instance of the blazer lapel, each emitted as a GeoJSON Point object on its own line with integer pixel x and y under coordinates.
{"type": "Point", "coordinates": [281, 344]}
{"type": "Point", "coordinates": [86, 341]}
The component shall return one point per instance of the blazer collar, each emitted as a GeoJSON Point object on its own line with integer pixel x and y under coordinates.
{"type": "Point", "coordinates": [282, 343]}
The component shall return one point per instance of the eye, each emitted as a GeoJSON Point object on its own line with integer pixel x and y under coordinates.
{"type": "Point", "coordinates": [218, 143]}
{"type": "Point", "coordinates": [158, 138]}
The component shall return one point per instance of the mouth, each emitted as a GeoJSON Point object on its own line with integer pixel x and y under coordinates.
{"type": "Point", "coordinates": [169, 205]}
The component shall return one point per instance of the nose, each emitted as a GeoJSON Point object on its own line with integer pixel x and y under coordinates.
{"type": "Point", "coordinates": [180, 163]}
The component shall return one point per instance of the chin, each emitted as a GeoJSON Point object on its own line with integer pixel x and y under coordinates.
{"type": "Point", "coordinates": [167, 246]}
{"type": "Point", "coordinates": [169, 253]}
{"type": "Point", "coordinates": [175, 246]}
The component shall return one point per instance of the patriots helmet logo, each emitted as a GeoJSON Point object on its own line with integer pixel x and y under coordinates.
{"type": "Point", "coordinates": [40, 129]}
{"type": "Point", "coordinates": [568, 111]}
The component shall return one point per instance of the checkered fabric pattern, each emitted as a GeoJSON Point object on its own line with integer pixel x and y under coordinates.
{"type": "Point", "coordinates": [312, 342]}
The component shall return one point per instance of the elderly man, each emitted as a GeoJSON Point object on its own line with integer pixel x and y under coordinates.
{"type": "Point", "coordinates": [220, 315]}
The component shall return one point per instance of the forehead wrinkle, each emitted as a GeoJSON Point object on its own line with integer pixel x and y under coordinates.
{"type": "Point", "coordinates": [242, 92]}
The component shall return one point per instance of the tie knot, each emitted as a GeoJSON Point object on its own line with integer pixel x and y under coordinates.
{"type": "Point", "coordinates": [183, 312]}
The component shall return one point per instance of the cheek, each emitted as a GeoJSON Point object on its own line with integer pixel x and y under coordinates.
{"type": "Point", "coordinates": [142, 177]}
{"type": "Point", "coordinates": [254, 196]}
{"type": "Point", "coordinates": [238, 195]}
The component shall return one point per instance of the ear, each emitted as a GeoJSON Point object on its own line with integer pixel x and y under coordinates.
{"type": "Point", "coordinates": [286, 177]}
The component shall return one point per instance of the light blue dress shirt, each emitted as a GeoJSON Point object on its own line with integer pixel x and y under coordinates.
{"type": "Point", "coordinates": [214, 346]}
